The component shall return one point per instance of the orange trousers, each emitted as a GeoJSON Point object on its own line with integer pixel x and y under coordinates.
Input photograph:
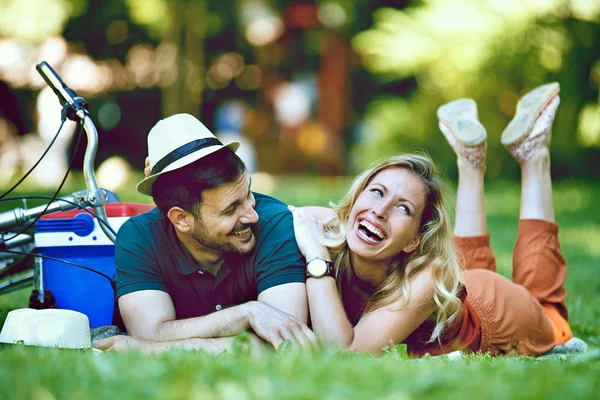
{"type": "Point", "coordinates": [527, 315]}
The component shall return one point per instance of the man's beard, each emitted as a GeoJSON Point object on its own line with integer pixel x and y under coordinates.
{"type": "Point", "coordinates": [203, 237]}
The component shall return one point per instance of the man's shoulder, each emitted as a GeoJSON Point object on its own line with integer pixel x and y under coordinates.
{"type": "Point", "coordinates": [149, 223]}
{"type": "Point", "coordinates": [148, 218]}
{"type": "Point", "coordinates": [274, 220]}
{"type": "Point", "coordinates": [276, 259]}
{"type": "Point", "coordinates": [269, 207]}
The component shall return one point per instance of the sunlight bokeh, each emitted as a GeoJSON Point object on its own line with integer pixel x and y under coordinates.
{"type": "Point", "coordinates": [455, 49]}
{"type": "Point", "coordinates": [34, 19]}
{"type": "Point", "coordinates": [447, 37]}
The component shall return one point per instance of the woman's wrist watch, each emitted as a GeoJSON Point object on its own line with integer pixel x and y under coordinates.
{"type": "Point", "coordinates": [318, 268]}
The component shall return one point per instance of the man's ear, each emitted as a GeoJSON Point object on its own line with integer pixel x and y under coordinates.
{"type": "Point", "coordinates": [413, 244]}
{"type": "Point", "coordinates": [182, 220]}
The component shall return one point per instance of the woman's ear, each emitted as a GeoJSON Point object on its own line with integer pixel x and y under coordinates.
{"type": "Point", "coordinates": [182, 220]}
{"type": "Point", "coordinates": [413, 244]}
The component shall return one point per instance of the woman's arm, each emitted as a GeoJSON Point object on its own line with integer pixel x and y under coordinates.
{"type": "Point", "coordinates": [392, 323]}
{"type": "Point", "coordinates": [376, 330]}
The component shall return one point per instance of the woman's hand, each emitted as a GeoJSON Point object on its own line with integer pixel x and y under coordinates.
{"type": "Point", "coordinates": [308, 230]}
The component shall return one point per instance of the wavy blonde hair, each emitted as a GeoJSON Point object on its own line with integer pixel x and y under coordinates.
{"type": "Point", "coordinates": [435, 251]}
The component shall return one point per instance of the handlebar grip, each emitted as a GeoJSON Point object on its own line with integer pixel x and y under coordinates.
{"type": "Point", "coordinates": [76, 107]}
{"type": "Point", "coordinates": [63, 92]}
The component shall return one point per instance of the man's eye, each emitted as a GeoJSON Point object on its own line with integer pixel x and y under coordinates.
{"type": "Point", "coordinates": [229, 211]}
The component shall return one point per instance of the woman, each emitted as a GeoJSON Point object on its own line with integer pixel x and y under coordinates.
{"type": "Point", "coordinates": [398, 269]}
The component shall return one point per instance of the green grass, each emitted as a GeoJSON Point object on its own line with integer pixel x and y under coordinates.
{"type": "Point", "coordinates": [52, 373]}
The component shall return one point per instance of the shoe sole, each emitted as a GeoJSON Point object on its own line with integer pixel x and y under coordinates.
{"type": "Point", "coordinates": [460, 116]}
{"type": "Point", "coordinates": [571, 347]}
{"type": "Point", "coordinates": [528, 109]}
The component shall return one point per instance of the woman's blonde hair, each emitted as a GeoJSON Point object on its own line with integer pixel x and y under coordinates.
{"type": "Point", "coordinates": [435, 251]}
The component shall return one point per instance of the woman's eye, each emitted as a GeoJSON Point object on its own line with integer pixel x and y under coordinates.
{"type": "Point", "coordinates": [377, 192]}
{"type": "Point", "coordinates": [404, 208]}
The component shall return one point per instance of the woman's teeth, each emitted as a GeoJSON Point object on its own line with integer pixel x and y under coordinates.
{"type": "Point", "coordinates": [372, 231]}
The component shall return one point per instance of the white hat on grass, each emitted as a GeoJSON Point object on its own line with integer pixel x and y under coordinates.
{"type": "Point", "coordinates": [47, 328]}
{"type": "Point", "coordinates": [175, 142]}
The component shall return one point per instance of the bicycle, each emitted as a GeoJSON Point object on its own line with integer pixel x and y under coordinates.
{"type": "Point", "coordinates": [21, 261]}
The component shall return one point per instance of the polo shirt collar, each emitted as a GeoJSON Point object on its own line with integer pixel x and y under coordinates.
{"type": "Point", "coordinates": [183, 260]}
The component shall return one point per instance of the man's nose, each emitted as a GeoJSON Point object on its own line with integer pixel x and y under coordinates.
{"type": "Point", "coordinates": [250, 216]}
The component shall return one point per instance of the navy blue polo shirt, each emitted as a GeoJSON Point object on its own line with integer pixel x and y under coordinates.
{"type": "Point", "coordinates": [149, 256]}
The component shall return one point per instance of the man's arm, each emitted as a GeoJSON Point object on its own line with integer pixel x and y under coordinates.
{"type": "Point", "coordinates": [212, 346]}
{"type": "Point", "coordinates": [279, 264]}
{"type": "Point", "coordinates": [290, 298]}
{"type": "Point", "coordinates": [150, 314]}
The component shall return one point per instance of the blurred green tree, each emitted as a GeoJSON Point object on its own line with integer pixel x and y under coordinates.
{"type": "Point", "coordinates": [413, 56]}
{"type": "Point", "coordinates": [490, 51]}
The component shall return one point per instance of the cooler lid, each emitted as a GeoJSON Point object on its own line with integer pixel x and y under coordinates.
{"type": "Point", "coordinates": [112, 210]}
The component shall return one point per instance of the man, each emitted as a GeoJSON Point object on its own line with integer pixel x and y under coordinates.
{"type": "Point", "coordinates": [203, 266]}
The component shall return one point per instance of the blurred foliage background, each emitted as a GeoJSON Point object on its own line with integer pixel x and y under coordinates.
{"type": "Point", "coordinates": [309, 87]}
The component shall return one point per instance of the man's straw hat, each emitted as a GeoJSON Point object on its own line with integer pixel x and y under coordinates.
{"type": "Point", "coordinates": [175, 142]}
{"type": "Point", "coordinates": [47, 328]}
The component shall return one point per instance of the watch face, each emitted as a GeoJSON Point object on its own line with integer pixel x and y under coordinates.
{"type": "Point", "coordinates": [317, 267]}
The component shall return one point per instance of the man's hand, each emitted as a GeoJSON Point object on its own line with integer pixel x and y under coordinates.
{"type": "Point", "coordinates": [122, 343]}
{"type": "Point", "coordinates": [254, 345]}
{"type": "Point", "coordinates": [275, 326]}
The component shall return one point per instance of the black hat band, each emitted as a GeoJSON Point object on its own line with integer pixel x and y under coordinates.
{"type": "Point", "coordinates": [183, 151]}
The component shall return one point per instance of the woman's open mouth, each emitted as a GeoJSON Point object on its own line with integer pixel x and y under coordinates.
{"type": "Point", "coordinates": [369, 233]}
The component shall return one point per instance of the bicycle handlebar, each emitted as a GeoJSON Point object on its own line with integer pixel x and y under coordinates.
{"type": "Point", "coordinates": [20, 216]}
{"type": "Point", "coordinates": [94, 196]}
{"type": "Point", "coordinates": [77, 111]}
{"type": "Point", "coordinates": [77, 107]}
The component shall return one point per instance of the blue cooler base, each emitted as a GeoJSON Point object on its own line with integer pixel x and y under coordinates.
{"type": "Point", "coordinates": [75, 288]}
